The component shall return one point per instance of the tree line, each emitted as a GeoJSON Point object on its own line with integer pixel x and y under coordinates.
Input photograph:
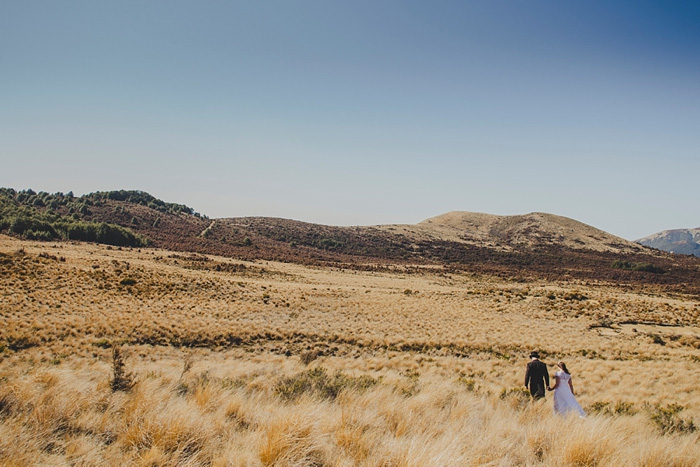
{"type": "Point", "coordinates": [34, 216]}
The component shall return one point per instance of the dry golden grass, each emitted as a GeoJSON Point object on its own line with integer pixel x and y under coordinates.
{"type": "Point", "coordinates": [278, 364]}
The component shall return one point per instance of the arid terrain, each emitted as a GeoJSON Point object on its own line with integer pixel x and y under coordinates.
{"type": "Point", "coordinates": [148, 356]}
{"type": "Point", "coordinates": [526, 247]}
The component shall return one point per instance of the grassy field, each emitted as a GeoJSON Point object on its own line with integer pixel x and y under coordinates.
{"type": "Point", "coordinates": [223, 362]}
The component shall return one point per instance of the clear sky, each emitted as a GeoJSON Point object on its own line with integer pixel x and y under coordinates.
{"type": "Point", "coordinates": [361, 112]}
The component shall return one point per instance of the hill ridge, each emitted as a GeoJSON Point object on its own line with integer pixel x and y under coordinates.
{"type": "Point", "coordinates": [510, 231]}
{"type": "Point", "coordinates": [527, 246]}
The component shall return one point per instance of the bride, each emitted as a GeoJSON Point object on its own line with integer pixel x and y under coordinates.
{"type": "Point", "coordinates": [564, 400]}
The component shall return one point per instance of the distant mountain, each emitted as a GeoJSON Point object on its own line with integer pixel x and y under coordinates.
{"type": "Point", "coordinates": [679, 241]}
{"type": "Point", "coordinates": [525, 247]}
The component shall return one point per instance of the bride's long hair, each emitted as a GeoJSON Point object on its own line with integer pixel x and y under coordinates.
{"type": "Point", "coordinates": [562, 365]}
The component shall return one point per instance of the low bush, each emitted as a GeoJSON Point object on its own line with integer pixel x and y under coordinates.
{"type": "Point", "coordinates": [668, 421]}
{"type": "Point", "coordinates": [319, 383]}
{"type": "Point", "coordinates": [607, 408]}
{"type": "Point", "coordinates": [644, 267]}
{"type": "Point", "coordinates": [121, 379]}
{"type": "Point", "coordinates": [575, 295]}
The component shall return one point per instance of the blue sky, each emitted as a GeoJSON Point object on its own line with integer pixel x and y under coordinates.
{"type": "Point", "coordinates": [361, 112]}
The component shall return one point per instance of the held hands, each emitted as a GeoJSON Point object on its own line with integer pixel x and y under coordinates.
{"type": "Point", "coordinates": [549, 388]}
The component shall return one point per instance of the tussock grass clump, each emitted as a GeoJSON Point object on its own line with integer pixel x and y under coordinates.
{"type": "Point", "coordinates": [292, 440]}
{"type": "Point", "coordinates": [309, 356]}
{"type": "Point", "coordinates": [517, 398]}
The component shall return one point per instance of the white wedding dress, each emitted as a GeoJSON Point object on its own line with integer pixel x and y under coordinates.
{"type": "Point", "coordinates": [564, 400]}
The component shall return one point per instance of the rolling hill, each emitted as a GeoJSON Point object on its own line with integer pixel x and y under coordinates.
{"type": "Point", "coordinates": [535, 245]}
{"type": "Point", "coordinates": [507, 233]}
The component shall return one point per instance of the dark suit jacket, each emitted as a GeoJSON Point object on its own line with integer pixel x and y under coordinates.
{"type": "Point", "coordinates": [536, 376]}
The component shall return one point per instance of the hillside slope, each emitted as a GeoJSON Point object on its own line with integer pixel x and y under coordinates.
{"type": "Point", "coordinates": [510, 232]}
{"type": "Point", "coordinates": [535, 245]}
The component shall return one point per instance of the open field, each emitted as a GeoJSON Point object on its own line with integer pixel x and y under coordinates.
{"type": "Point", "coordinates": [263, 363]}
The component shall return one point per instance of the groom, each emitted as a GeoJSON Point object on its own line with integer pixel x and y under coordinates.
{"type": "Point", "coordinates": [536, 376]}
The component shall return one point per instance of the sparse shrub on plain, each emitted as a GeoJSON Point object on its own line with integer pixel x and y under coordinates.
{"type": "Point", "coordinates": [45, 255]}
{"type": "Point", "coordinates": [657, 339]}
{"type": "Point", "coordinates": [667, 419]}
{"type": "Point", "coordinates": [468, 383]}
{"type": "Point", "coordinates": [624, 408]}
{"type": "Point", "coordinates": [103, 343]}
{"type": "Point", "coordinates": [644, 267]}
{"type": "Point", "coordinates": [590, 353]}
{"type": "Point", "coordinates": [600, 407]}
{"type": "Point", "coordinates": [575, 295]}
{"type": "Point", "coordinates": [412, 387]}
{"type": "Point", "coordinates": [602, 322]}
{"type": "Point", "coordinates": [128, 281]}
{"type": "Point", "coordinates": [309, 356]}
{"type": "Point", "coordinates": [319, 383]}
{"type": "Point", "coordinates": [619, 408]}
{"type": "Point", "coordinates": [186, 365]}
{"type": "Point", "coordinates": [21, 341]}
{"type": "Point", "coordinates": [690, 341]}
{"type": "Point", "coordinates": [121, 379]}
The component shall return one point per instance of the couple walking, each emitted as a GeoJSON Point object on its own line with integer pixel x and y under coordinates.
{"type": "Point", "coordinates": [537, 378]}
